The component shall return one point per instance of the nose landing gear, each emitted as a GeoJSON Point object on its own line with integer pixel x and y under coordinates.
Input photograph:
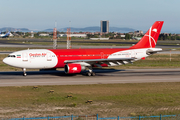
{"type": "Point", "coordinates": [24, 72]}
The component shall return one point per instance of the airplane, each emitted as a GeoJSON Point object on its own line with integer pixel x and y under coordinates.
{"type": "Point", "coordinates": [76, 61]}
{"type": "Point", "coordinates": [4, 35]}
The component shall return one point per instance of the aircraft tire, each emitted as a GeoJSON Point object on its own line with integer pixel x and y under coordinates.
{"type": "Point", "coordinates": [93, 74]}
{"type": "Point", "coordinates": [88, 74]}
{"type": "Point", "coordinates": [25, 74]}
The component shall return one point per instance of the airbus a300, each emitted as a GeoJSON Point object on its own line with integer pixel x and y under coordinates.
{"type": "Point", "coordinates": [78, 60]}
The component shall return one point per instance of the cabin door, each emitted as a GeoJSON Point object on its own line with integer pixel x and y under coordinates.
{"type": "Point", "coordinates": [25, 56]}
{"type": "Point", "coordinates": [49, 56]}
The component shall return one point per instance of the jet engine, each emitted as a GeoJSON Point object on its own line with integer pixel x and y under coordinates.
{"type": "Point", "coordinates": [73, 68]}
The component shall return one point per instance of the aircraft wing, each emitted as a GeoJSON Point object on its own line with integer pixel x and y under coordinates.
{"type": "Point", "coordinates": [97, 62]}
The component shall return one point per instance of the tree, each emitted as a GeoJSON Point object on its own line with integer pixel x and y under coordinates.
{"type": "Point", "coordinates": [127, 36]}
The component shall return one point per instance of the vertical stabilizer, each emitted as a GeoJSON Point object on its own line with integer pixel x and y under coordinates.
{"type": "Point", "coordinates": [149, 40]}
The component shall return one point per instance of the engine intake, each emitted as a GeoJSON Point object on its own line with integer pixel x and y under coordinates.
{"type": "Point", "coordinates": [73, 68]}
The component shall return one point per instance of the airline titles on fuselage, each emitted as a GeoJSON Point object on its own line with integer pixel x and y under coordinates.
{"type": "Point", "coordinates": [37, 54]}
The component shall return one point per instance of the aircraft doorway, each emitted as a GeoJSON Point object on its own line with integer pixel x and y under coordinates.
{"type": "Point", "coordinates": [133, 54]}
{"type": "Point", "coordinates": [49, 57]}
{"type": "Point", "coordinates": [25, 56]}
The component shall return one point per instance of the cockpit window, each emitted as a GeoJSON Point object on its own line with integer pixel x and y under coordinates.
{"type": "Point", "coordinates": [12, 56]}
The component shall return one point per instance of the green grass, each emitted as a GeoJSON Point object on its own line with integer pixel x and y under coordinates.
{"type": "Point", "coordinates": [108, 99]}
{"type": "Point", "coordinates": [11, 49]}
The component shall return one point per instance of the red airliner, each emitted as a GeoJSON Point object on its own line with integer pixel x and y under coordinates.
{"type": "Point", "coordinates": [78, 60]}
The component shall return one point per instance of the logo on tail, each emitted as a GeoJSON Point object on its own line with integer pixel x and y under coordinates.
{"type": "Point", "coordinates": [151, 39]}
{"type": "Point", "coordinates": [155, 30]}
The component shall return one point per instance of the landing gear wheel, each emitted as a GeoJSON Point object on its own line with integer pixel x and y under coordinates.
{"type": "Point", "coordinates": [24, 74]}
{"type": "Point", "coordinates": [93, 73]}
{"type": "Point", "coordinates": [88, 74]}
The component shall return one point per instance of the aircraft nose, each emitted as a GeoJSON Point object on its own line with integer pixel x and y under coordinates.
{"type": "Point", "coordinates": [5, 60]}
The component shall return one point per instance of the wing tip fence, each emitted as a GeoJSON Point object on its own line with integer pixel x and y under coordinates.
{"type": "Point", "coordinates": [96, 117]}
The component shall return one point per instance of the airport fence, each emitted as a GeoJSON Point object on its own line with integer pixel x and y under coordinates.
{"type": "Point", "coordinates": [96, 117]}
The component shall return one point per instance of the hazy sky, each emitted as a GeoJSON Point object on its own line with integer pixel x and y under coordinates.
{"type": "Point", "coordinates": [136, 14]}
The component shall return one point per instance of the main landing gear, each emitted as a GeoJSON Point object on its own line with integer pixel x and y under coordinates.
{"type": "Point", "coordinates": [90, 72]}
{"type": "Point", "coordinates": [24, 72]}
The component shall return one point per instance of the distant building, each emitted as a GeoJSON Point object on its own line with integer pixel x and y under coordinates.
{"type": "Point", "coordinates": [43, 34]}
{"type": "Point", "coordinates": [137, 38]}
{"type": "Point", "coordinates": [99, 38]}
{"type": "Point", "coordinates": [104, 26]}
{"type": "Point", "coordinates": [131, 33]}
{"type": "Point", "coordinates": [79, 35]}
{"type": "Point", "coordinates": [61, 35]}
{"type": "Point", "coordinates": [123, 36]}
{"type": "Point", "coordinates": [138, 32]}
{"type": "Point", "coordinates": [32, 34]}
{"type": "Point", "coordinates": [15, 34]}
{"type": "Point", "coordinates": [73, 35]}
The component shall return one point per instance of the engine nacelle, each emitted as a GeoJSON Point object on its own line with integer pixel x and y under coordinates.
{"type": "Point", "coordinates": [73, 68]}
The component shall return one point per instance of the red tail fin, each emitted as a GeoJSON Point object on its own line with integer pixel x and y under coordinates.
{"type": "Point", "coordinates": [149, 40]}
